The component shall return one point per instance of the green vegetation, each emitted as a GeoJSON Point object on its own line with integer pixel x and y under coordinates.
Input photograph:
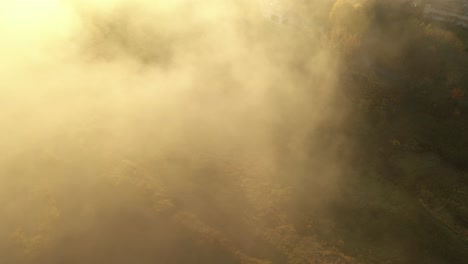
{"type": "Point", "coordinates": [410, 103]}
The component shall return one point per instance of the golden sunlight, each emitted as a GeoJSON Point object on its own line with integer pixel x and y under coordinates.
{"type": "Point", "coordinates": [27, 12]}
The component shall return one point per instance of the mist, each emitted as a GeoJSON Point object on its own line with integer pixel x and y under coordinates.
{"type": "Point", "coordinates": [123, 117]}
{"type": "Point", "coordinates": [173, 132]}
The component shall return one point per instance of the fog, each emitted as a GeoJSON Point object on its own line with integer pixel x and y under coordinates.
{"type": "Point", "coordinates": [163, 131]}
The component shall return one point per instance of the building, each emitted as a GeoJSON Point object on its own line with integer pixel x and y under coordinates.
{"type": "Point", "coordinates": [451, 11]}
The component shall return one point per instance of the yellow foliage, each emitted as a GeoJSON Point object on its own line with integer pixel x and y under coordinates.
{"type": "Point", "coordinates": [350, 16]}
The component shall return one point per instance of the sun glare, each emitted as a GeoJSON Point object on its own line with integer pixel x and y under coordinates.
{"type": "Point", "coordinates": [33, 16]}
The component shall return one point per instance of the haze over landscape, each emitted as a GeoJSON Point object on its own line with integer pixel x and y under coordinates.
{"type": "Point", "coordinates": [138, 131]}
